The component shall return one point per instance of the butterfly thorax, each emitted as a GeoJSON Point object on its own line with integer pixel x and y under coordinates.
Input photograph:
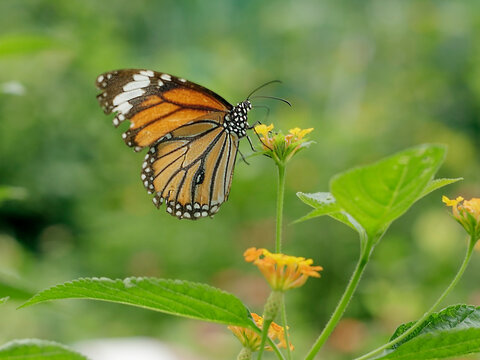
{"type": "Point", "coordinates": [236, 120]}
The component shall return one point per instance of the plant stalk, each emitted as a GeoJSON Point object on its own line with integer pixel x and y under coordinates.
{"type": "Point", "coordinates": [265, 327]}
{"type": "Point", "coordinates": [454, 282]}
{"type": "Point", "coordinates": [285, 327]}
{"type": "Point", "coordinates": [280, 198]}
{"type": "Point", "coordinates": [341, 306]}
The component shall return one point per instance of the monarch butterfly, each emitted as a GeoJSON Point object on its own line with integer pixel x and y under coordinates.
{"type": "Point", "coordinates": [193, 136]}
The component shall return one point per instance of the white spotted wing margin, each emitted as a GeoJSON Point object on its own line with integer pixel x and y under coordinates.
{"type": "Point", "coordinates": [181, 298]}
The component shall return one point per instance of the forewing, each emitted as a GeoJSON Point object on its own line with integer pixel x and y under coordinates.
{"type": "Point", "coordinates": [155, 103]}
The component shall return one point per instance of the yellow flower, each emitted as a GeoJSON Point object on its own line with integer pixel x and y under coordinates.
{"type": "Point", "coordinates": [283, 272]}
{"type": "Point", "coordinates": [281, 147]}
{"type": "Point", "coordinates": [251, 340]}
{"type": "Point", "coordinates": [467, 213]}
{"type": "Point", "coordinates": [299, 133]}
{"type": "Point", "coordinates": [263, 129]}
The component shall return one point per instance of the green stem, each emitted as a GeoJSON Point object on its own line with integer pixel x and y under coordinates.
{"type": "Point", "coordinates": [275, 349]}
{"type": "Point", "coordinates": [266, 325]}
{"type": "Point", "coordinates": [285, 327]}
{"type": "Point", "coordinates": [341, 306]}
{"type": "Point", "coordinates": [270, 342]}
{"type": "Point", "coordinates": [454, 282]}
{"type": "Point", "coordinates": [280, 197]}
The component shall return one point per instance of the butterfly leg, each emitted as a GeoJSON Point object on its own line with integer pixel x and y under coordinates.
{"type": "Point", "coordinates": [243, 158]}
{"type": "Point", "coordinates": [251, 144]}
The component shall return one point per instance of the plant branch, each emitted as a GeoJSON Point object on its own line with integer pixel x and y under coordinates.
{"type": "Point", "coordinates": [280, 198]}
{"type": "Point", "coordinates": [285, 327]}
{"type": "Point", "coordinates": [341, 306]}
{"type": "Point", "coordinates": [454, 282]}
{"type": "Point", "coordinates": [265, 327]}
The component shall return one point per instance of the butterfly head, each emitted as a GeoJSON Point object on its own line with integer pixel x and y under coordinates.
{"type": "Point", "coordinates": [236, 120]}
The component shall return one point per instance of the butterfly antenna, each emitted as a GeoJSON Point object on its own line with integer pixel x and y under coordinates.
{"type": "Point", "coordinates": [262, 86]}
{"type": "Point", "coordinates": [273, 97]}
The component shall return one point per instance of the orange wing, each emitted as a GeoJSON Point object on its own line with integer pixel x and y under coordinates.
{"type": "Point", "coordinates": [155, 103]}
{"type": "Point", "coordinates": [191, 170]}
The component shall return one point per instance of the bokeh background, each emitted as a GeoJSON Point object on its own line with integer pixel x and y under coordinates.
{"type": "Point", "coordinates": [372, 77]}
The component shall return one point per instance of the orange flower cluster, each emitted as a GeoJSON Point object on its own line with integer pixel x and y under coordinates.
{"type": "Point", "coordinates": [467, 213]}
{"type": "Point", "coordinates": [251, 340]}
{"type": "Point", "coordinates": [282, 272]}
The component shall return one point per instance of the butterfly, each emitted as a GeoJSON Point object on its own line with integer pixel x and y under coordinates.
{"type": "Point", "coordinates": [191, 132]}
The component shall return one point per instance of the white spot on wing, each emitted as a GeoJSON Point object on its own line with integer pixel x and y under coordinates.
{"type": "Point", "coordinates": [160, 83]}
{"type": "Point", "coordinates": [136, 85]}
{"type": "Point", "coordinates": [137, 77]}
{"type": "Point", "coordinates": [166, 77]}
{"type": "Point", "coordinates": [147, 73]}
{"type": "Point", "coordinates": [125, 96]}
{"type": "Point", "coordinates": [100, 79]}
{"type": "Point", "coordinates": [123, 108]}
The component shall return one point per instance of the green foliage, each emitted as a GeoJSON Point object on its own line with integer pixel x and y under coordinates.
{"type": "Point", "coordinates": [325, 204]}
{"type": "Point", "coordinates": [377, 194]}
{"type": "Point", "coordinates": [33, 349]}
{"type": "Point", "coordinates": [454, 331]}
{"type": "Point", "coordinates": [369, 198]}
{"type": "Point", "coordinates": [437, 184]}
{"type": "Point", "coordinates": [175, 297]}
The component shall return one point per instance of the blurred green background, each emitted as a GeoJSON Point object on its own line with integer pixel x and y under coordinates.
{"type": "Point", "coordinates": [372, 77]}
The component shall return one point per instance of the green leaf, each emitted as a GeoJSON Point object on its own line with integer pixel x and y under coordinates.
{"type": "Point", "coordinates": [175, 297]}
{"type": "Point", "coordinates": [3, 300]}
{"type": "Point", "coordinates": [454, 331]}
{"type": "Point", "coordinates": [33, 349]}
{"type": "Point", "coordinates": [375, 195]}
{"type": "Point", "coordinates": [437, 184]}
{"type": "Point", "coordinates": [321, 201]}
{"type": "Point", "coordinates": [325, 204]}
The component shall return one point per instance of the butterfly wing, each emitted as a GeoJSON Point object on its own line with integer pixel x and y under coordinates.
{"type": "Point", "coordinates": [191, 159]}
{"type": "Point", "coordinates": [155, 103]}
{"type": "Point", "coordinates": [191, 171]}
